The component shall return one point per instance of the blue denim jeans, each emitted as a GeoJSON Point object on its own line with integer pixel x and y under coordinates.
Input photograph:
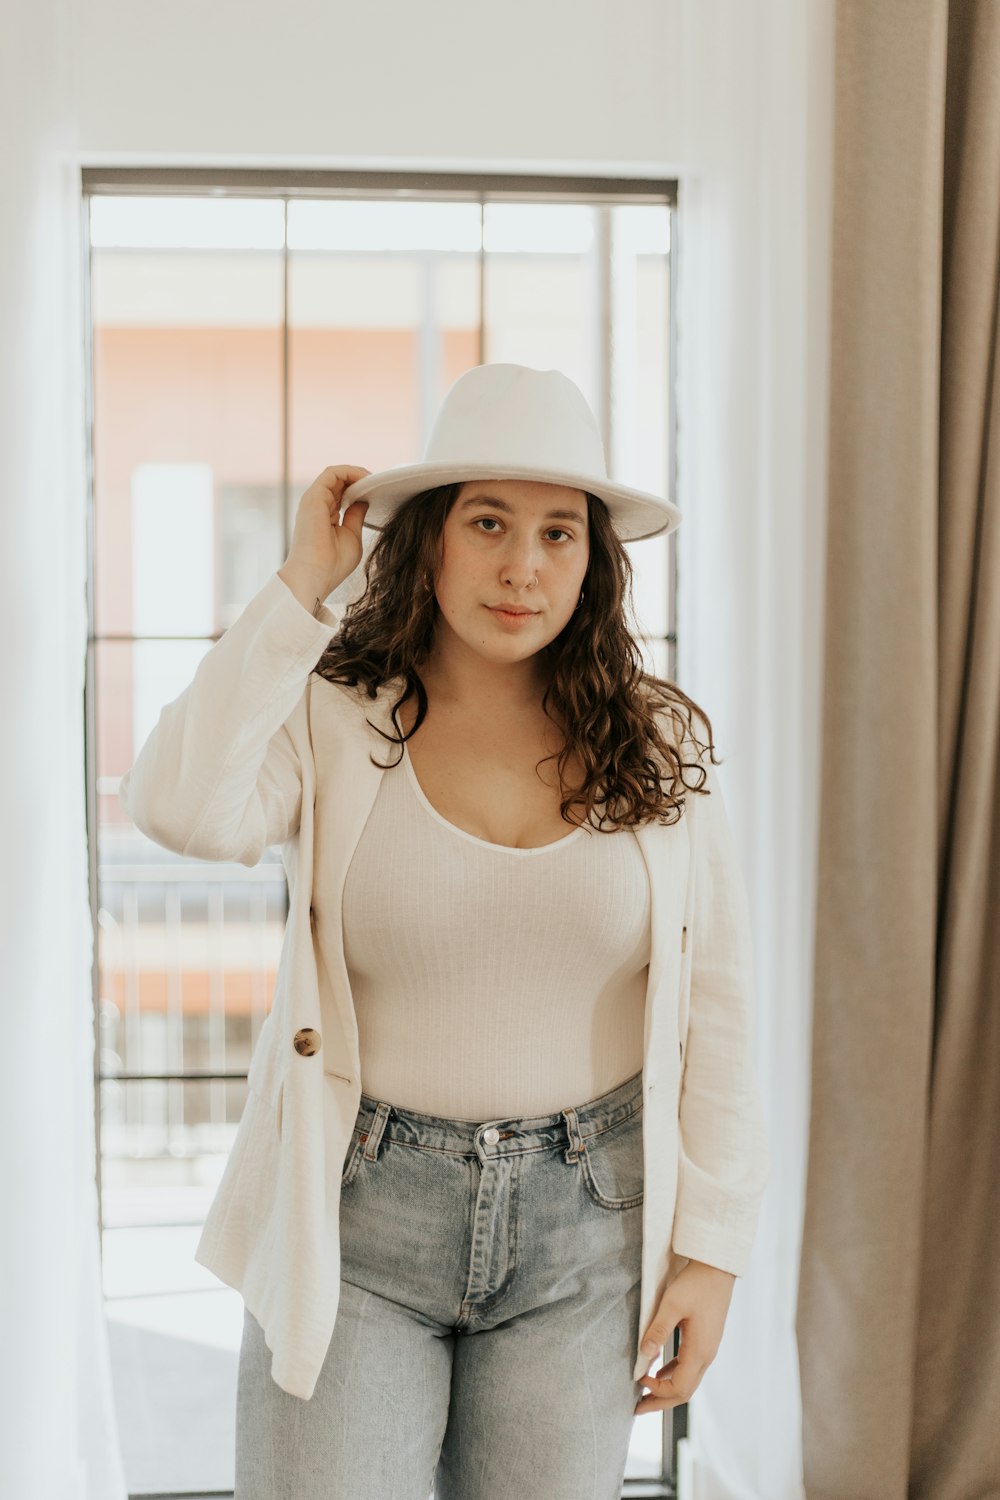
{"type": "Point", "coordinates": [488, 1317]}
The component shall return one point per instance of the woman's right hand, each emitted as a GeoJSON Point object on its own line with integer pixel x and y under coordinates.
{"type": "Point", "coordinates": [325, 547]}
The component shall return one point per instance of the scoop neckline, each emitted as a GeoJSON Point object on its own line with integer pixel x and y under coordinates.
{"type": "Point", "coordinates": [471, 837]}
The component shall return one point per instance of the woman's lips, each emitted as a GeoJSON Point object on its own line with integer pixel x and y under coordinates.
{"type": "Point", "coordinates": [509, 618]}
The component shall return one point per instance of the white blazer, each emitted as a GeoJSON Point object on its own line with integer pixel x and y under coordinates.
{"type": "Point", "coordinates": [234, 765]}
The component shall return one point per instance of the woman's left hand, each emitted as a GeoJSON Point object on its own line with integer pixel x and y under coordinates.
{"type": "Point", "coordinates": [698, 1300]}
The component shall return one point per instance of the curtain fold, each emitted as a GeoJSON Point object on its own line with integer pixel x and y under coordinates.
{"type": "Point", "coordinates": [956, 1437]}
{"type": "Point", "coordinates": [898, 1320]}
{"type": "Point", "coordinates": [58, 1433]}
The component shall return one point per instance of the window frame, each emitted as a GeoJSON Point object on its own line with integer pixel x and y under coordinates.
{"type": "Point", "coordinates": [478, 187]}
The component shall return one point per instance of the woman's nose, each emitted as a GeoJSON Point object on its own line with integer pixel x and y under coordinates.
{"type": "Point", "coordinates": [521, 565]}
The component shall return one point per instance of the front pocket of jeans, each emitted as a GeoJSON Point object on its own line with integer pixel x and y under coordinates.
{"type": "Point", "coordinates": [352, 1160]}
{"type": "Point", "coordinates": [612, 1164]}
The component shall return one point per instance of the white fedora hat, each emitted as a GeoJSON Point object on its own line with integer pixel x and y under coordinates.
{"type": "Point", "coordinates": [505, 421]}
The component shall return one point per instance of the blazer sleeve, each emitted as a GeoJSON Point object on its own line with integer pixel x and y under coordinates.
{"type": "Point", "coordinates": [219, 776]}
{"type": "Point", "coordinates": [724, 1158]}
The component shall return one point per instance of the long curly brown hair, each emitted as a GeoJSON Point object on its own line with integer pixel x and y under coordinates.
{"type": "Point", "coordinates": [597, 688]}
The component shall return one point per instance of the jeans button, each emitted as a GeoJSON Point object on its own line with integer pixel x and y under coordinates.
{"type": "Point", "coordinates": [491, 1136]}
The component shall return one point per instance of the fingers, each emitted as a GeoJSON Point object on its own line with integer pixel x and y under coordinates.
{"type": "Point", "coordinates": [354, 516]}
{"type": "Point", "coordinates": [337, 478]}
{"type": "Point", "coordinates": [341, 476]}
{"type": "Point", "coordinates": [664, 1395]}
{"type": "Point", "coordinates": [673, 1384]}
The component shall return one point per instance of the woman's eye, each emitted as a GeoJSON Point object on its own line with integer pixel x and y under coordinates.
{"type": "Point", "coordinates": [558, 529]}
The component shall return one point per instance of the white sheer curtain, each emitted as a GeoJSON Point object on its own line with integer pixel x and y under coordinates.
{"type": "Point", "coordinates": [58, 1436]}
{"type": "Point", "coordinates": [756, 184]}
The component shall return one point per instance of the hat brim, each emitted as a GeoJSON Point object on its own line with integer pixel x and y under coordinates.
{"type": "Point", "coordinates": [635, 514]}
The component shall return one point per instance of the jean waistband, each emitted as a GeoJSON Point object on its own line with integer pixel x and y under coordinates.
{"type": "Point", "coordinates": [504, 1135]}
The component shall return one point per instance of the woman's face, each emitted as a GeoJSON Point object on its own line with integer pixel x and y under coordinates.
{"type": "Point", "coordinates": [520, 543]}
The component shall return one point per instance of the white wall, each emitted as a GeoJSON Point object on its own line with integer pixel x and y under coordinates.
{"type": "Point", "coordinates": [557, 85]}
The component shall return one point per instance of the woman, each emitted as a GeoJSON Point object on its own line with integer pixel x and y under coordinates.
{"type": "Point", "coordinates": [484, 978]}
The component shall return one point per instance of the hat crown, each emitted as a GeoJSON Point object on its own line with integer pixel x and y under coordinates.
{"type": "Point", "coordinates": [506, 421]}
{"type": "Point", "coordinates": [515, 416]}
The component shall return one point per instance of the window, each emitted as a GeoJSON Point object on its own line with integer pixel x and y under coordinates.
{"type": "Point", "coordinates": [241, 326]}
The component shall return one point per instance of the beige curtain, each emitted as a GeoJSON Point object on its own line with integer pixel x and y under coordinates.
{"type": "Point", "coordinates": [898, 1321]}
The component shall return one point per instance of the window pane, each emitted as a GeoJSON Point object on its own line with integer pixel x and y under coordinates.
{"type": "Point", "coordinates": [179, 223]}
{"type": "Point", "coordinates": [650, 583]}
{"type": "Point", "coordinates": [174, 1334]}
{"type": "Point", "coordinates": [640, 395]}
{"type": "Point", "coordinates": [187, 958]}
{"type": "Point", "coordinates": [187, 307]}
{"type": "Point", "coordinates": [188, 953]}
{"type": "Point", "coordinates": [640, 270]}
{"type": "Point", "coordinates": [384, 315]}
{"type": "Point", "coordinates": [540, 305]}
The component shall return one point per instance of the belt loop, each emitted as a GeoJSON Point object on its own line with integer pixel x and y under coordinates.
{"type": "Point", "coordinates": [375, 1130]}
{"type": "Point", "coordinates": [576, 1144]}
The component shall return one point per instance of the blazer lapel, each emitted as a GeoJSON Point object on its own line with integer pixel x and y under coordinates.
{"type": "Point", "coordinates": [666, 852]}
{"type": "Point", "coordinates": [344, 743]}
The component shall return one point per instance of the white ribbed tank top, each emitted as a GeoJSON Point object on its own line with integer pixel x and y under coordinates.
{"type": "Point", "coordinates": [490, 981]}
